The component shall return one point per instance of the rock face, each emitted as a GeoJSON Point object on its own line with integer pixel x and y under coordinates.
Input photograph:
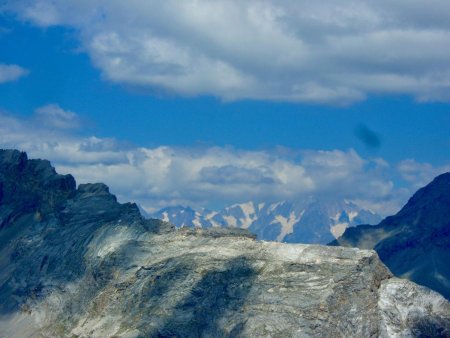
{"type": "Point", "coordinates": [415, 243]}
{"type": "Point", "coordinates": [75, 263]}
{"type": "Point", "coordinates": [307, 220]}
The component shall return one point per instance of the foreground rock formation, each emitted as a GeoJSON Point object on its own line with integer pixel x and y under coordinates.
{"type": "Point", "coordinates": [414, 243]}
{"type": "Point", "coordinates": [75, 263]}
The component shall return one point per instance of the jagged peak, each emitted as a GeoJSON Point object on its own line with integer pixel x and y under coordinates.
{"type": "Point", "coordinates": [14, 162]}
{"type": "Point", "coordinates": [12, 156]}
{"type": "Point", "coordinates": [32, 184]}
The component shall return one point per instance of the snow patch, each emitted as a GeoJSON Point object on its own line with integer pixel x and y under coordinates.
{"type": "Point", "coordinates": [231, 221]}
{"type": "Point", "coordinates": [165, 216]}
{"type": "Point", "coordinates": [352, 215]}
{"type": "Point", "coordinates": [287, 224]}
{"type": "Point", "coordinates": [336, 218]}
{"type": "Point", "coordinates": [338, 229]}
{"type": "Point", "coordinates": [248, 210]}
{"type": "Point", "coordinates": [211, 215]}
{"type": "Point", "coordinates": [197, 222]}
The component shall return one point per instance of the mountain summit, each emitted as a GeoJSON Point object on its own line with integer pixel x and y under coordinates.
{"type": "Point", "coordinates": [415, 243]}
{"type": "Point", "coordinates": [76, 263]}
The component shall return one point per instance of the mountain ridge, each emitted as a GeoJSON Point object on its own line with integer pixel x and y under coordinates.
{"type": "Point", "coordinates": [76, 263]}
{"type": "Point", "coordinates": [414, 243]}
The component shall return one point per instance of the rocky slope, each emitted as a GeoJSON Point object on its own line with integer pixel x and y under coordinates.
{"type": "Point", "coordinates": [75, 263]}
{"type": "Point", "coordinates": [307, 220]}
{"type": "Point", "coordinates": [415, 243]}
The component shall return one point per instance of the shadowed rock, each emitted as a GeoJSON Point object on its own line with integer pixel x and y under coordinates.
{"type": "Point", "coordinates": [415, 243]}
{"type": "Point", "coordinates": [207, 311]}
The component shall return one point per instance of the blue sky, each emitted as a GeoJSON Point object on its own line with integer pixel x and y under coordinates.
{"type": "Point", "coordinates": [133, 83]}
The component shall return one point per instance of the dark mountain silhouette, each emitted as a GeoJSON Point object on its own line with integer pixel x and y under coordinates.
{"type": "Point", "coordinates": [415, 243]}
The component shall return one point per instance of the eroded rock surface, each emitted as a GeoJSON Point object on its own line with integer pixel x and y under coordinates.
{"type": "Point", "coordinates": [75, 263]}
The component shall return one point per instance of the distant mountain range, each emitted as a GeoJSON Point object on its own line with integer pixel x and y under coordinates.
{"type": "Point", "coordinates": [303, 221]}
{"type": "Point", "coordinates": [415, 243]}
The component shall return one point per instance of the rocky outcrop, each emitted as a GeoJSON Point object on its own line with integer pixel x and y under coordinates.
{"type": "Point", "coordinates": [75, 263]}
{"type": "Point", "coordinates": [414, 243]}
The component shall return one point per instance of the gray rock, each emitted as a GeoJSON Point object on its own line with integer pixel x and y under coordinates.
{"type": "Point", "coordinates": [88, 266]}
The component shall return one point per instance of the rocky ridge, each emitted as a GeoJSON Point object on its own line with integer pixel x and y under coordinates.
{"type": "Point", "coordinates": [75, 263]}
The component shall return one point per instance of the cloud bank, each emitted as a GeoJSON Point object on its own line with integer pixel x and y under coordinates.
{"type": "Point", "coordinates": [212, 176]}
{"type": "Point", "coordinates": [305, 51]}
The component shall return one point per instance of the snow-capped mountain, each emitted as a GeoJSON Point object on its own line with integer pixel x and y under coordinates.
{"type": "Point", "coordinates": [303, 221]}
{"type": "Point", "coordinates": [76, 263]}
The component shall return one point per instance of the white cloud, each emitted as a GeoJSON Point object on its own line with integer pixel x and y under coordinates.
{"type": "Point", "coordinates": [420, 174]}
{"type": "Point", "coordinates": [53, 116]}
{"type": "Point", "coordinates": [10, 73]}
{"type": "Point", "coordinates": [196, 176]}
{"type": "Point", "coordinates": [312, 51]}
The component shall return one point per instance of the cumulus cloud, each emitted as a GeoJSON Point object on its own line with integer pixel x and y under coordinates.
{"type": "Point", "coordinates": [10, 73]}
{"type": "Point", "coordinates": [310, 51]}
{"type": "Point", "coordinates": [202, 176]}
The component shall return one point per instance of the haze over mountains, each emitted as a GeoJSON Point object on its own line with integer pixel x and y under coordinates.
{"type": "Point", "coordinates": [309, 220]}
{"type": "Point", "coordinates": [76, 263]}
{"type": "Point", "coordinates": [414, 243]}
